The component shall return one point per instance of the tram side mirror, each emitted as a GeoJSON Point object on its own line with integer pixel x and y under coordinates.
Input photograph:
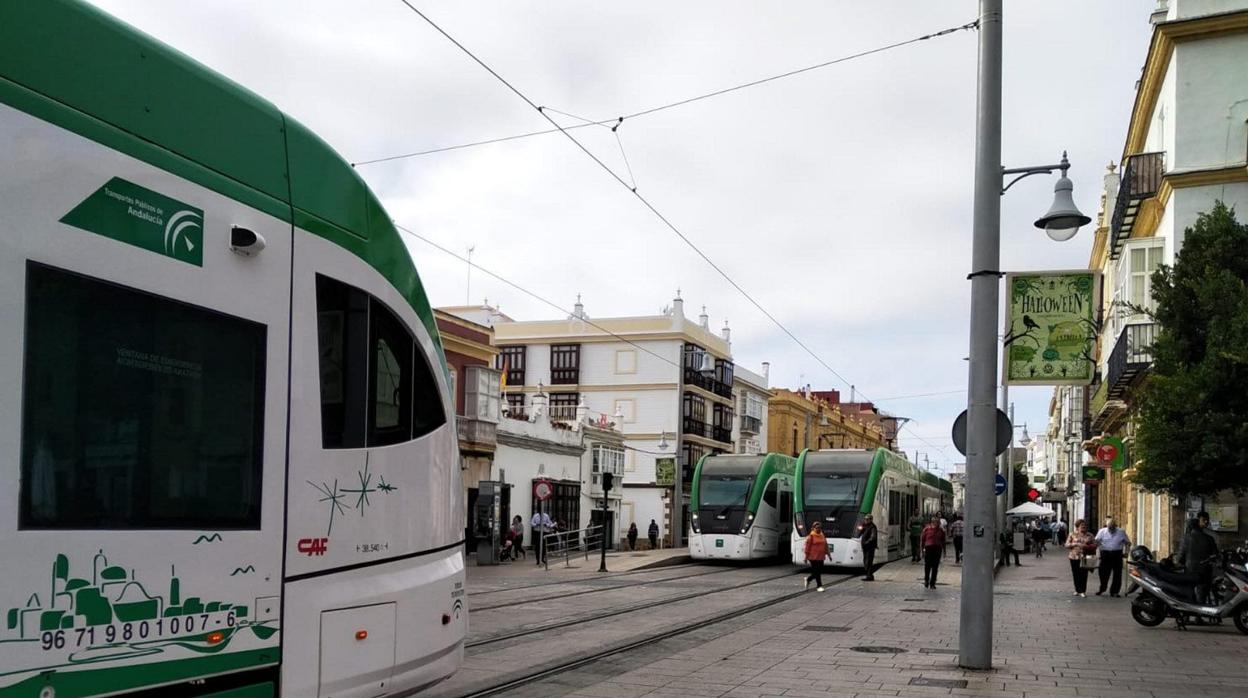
{"type": "Point", "coordinates": [245, 241]}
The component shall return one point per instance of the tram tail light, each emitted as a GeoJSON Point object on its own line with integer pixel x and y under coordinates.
{"type": "Point", "coordinates": [215, 637]}
{"type": "Point", "coordinates": [361, 634]}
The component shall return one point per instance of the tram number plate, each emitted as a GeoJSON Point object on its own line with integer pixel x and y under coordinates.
{"type": "Point", "coordinates": [719, 542]}
{"type": "Point", "coordinates": [194, 624]}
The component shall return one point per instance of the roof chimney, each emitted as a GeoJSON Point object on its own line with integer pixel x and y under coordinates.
{"type": "Point", "coordinates": [766, 374]}
{"type": "Point", "coordinates": [578, 310]}
{"type": "Point", "coordinates": [678, 306]}
{"type": "Point", "coordinates": [704, 320]}
{"type": "Point", "coordinates": [726, 333]}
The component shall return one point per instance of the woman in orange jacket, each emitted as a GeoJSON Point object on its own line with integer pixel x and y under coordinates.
{"type": "Point", "coordinates": [816, 552]}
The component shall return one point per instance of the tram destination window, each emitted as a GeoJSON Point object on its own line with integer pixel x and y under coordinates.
{"type": "Point", "coordinates": [377, 388]}
{"type": "Point", "coordinates": [138, 412]}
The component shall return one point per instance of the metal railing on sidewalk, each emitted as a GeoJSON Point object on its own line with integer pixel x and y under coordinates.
{"type": "Point", "coordinates": [565, 543]}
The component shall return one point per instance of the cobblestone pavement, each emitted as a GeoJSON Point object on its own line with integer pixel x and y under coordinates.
{"type": "Point", "coordinates": [1047, 643]}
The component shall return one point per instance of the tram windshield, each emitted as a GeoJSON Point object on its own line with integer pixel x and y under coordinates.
{"type": "Point", "coordinates": [832, 489]}
{"type": "Point", "coordinates": [725, 490]}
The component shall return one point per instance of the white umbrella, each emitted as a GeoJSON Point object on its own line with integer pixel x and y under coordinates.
{"type": "Point", "coordinates": [1031, 509]}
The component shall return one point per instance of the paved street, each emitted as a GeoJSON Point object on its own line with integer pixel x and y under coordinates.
{"type": "Point", "coordinates": [1047, 644]}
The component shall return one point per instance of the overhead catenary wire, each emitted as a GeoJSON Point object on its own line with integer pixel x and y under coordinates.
{"type": "Point", "coordinates": [617, 120]}
{"type": "Point", "coordinates": [654, 210]}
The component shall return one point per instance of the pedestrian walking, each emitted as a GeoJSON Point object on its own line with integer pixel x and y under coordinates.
{"type": "Point", "coordinates": [956, 529]}
{"type": "Point", "coordinates": [1080, 545]}
{"type": "Point", "coordinates": [517, 533]}
{"type": "Point", "coordinates": [653, 532]}
{"type": "Point", "coordinates": [933, 541]}
{"type": "Point", "coordinates": [1007, 548]}
{"type": "Point", "coordinates": [1112, 542]}
{"type": "Point", "coordinates": [916, 533]}
{"type": "Point", "coordinates": [1059, 530]}
{"type": "Point", "coordinates": [632, 536]}
{"type": "Point", "coordinates": [869, 539]}
{"type": "Point", "coordinates": [816, 553]}
{"type": "Point", "coordinates": [1037, 538]}
{"type": "Point", "coordinates": [541, 524]}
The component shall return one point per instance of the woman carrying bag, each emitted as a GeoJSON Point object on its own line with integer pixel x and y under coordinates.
{"type": "Point", "coordinates": [1081, 549]}
{"type": "Point", "coordinates": [816, 551]}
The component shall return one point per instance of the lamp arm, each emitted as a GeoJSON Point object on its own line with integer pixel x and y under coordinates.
{"type": "Point", "coordinates": [1025, 174]}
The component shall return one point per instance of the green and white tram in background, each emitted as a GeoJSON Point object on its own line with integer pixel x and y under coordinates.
{"type": "Point", "coordinates": [741, 506]}
{"type": "Point", "coordinates": [228, 464]}
{"type": "Point", "coordinates": [838, 488]}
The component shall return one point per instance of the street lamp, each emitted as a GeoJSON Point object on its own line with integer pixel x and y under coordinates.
{"type": "Point", "coordinates": [1061, 223]}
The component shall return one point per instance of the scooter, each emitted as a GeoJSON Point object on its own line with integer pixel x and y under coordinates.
{"type": "Point", "coordinates": [1165, 594]}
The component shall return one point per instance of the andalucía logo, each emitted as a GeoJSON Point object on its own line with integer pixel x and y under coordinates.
{"type": "Point", "coordinates": [138, 216]}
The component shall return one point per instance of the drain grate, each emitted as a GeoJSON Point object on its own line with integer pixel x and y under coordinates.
{"type": "Point", "coordinates": [1044, 577]}
{"type": "Point", "coordinates": [937, 650]}
{"type": "Point", "coordinates": [878, 649]}
{"type": "Point", "coordinates": [938, 683]}
{"type": "Point", "coordinates": [826, 628]}
{"type": "Point", "coordinates": [918, 610]}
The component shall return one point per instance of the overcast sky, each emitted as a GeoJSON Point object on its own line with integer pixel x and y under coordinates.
{"type": "Point", "coordinates": [839, 198]}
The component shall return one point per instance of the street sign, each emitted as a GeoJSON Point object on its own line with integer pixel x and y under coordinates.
{"type": "Point", "coordinates": [1004, 431]}
{"type": "Point", "coordinates": [999, 485]}
{"type": "Point", "coordinates": [1093, 474]}
{"type": "Point", "coordinates": [543, 490]}
{"type": "Point", "coordinates": [1050, 330]}
{"type": "Point", "coordinates": [1112, 453]}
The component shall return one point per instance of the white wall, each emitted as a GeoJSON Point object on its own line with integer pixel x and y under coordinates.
{"type": "Point", "coordinates": [1186, 9]}
{"type": "Point", "coordinates": [1212, 102]}
{"type": "Point", "coordinates": [523, 465]}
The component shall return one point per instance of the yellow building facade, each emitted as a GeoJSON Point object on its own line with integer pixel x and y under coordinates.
{"type": "Point", "coordinates": [796, 422]}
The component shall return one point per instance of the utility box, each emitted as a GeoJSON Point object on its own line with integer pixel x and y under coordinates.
{"type": "Point", "coordinates": [486, 522]}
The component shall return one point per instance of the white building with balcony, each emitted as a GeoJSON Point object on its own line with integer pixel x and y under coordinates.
{"type": "Point", "coordinates": [750, 392]}
{"type": "Point", "coordinates": [667, 381]}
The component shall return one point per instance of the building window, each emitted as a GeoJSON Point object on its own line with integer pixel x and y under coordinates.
{"type": "Point", "coordinates": [515, 405]}
{"type": "Point", "coordinates": [563, 405]}
{"type": "Point", "coordinates": [565, 363]}
{"type": "Point", "coordinates": [694, 415]}
{"type": "Point", "coordinates": [481, 396]}
{"type": "Point", "coordinates": [722, 426]}
{"type": "Point", "coordinates": [376, 386]}
{"type": "Point", "coordinates": [723, 378]}
{"type": "Point", "coordinates": [510, 360]}
{"type": "Point", "coordinates": [138, 411]}
{"type": "Point", "coordinates": [1134, 285]}
{"type": "Point", "coordinates": [607, 459]}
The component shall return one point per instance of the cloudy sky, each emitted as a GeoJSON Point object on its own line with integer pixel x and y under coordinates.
{"type": "Point", "coordinates": [839, 198]}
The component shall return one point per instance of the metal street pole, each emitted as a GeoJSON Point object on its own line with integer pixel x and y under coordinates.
{"type": "Point", "coordinates": [975, 621]}
{"type": "Point", "coordinates": [602, 561]}
{"type": "Point", "coordinates": [1003, 501]}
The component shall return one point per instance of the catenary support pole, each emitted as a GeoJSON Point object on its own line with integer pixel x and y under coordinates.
{"type": "Point", "coordinates": [975, 621]}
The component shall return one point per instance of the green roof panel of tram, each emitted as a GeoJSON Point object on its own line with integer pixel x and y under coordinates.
{"type": "Point", "coordinates": [76, 66]}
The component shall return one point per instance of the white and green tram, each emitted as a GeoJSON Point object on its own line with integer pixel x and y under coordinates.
{"type": "Point", "coordinates": [228, 463]}
{"type": "Point", "coordinates": [839, 487]}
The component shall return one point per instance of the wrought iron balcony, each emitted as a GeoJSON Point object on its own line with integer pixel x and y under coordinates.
{"type": "Point", "coordinates": [1141, 178]}
{"type": "Point", "coordinates": [1132, 354]}
{"type": "Point", "coordinates": [696, 427]}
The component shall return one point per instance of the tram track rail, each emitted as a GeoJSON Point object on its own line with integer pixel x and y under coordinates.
{"type": "Point", "coordinates": [598, 590]}
{"type": "Point", "coordinates": [613, 575]}
{"type": "Point", "coordinates": [579, 620]}
{"type": "Point", "coordinates": [635, 643]}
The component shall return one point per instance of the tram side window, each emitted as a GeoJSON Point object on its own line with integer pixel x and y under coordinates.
{"type": "Point", "coordinates": [376, 386]}
{"type": "Point", "coordinates": [138, 412]}
{"type": "Point", "coordinates": [770, 495]}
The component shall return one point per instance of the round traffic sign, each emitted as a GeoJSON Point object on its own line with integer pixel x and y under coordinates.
{"type": "Point", "coordinates": [1005, 431]}
{"type": "Point", "coordinates": [543, 490]}
{"type": "Point", "coordinates": [999, 485]}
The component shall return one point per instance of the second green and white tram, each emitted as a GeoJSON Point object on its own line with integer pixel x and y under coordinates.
{"type": "Point", "coordinates": [839, 487]}
{"type": "Point", "coordinates": [229, 457]}
{"type": "Point", "coordinates": [741, 507]}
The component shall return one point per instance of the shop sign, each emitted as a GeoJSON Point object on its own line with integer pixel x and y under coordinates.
{"type": "Point", "coordinates": [1050, 330]}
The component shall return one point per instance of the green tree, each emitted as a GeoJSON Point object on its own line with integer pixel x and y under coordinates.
{"type": "Point", "coordinates": [1193, 409]}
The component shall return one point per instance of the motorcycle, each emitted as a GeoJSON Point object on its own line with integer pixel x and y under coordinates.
{"type": "Point", "coordinates": [1165, 593]}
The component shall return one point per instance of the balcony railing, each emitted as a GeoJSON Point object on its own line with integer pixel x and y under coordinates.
{"type": "Point", "coordinates": [707, 383]}
{"type": "Point", "coordinates": [696, 427]}
{"type": "Point", "coordinates": [564, 376]}
{"type": "Point", "coordinates": [563, 413]}
{"type": "Point", "coordinates": [721, 434]}
{"type": "Point", "coordinates": [1132, 354]}
{"type": "Point", "coordinates": [1141, 178]}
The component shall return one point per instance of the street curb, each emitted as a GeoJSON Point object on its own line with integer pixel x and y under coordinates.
{"type": "Point", "coordinates": [666, 562]}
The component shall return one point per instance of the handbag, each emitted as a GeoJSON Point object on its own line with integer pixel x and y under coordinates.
{"type": "Point", "coordinates": [1089, 562]}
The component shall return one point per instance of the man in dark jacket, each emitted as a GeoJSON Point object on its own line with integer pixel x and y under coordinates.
{"type": "Point", "coordinates": [916, 531]}
{"type": "Point", "coordinates": [1198, 546]}
{"type": "Point", "coordinates": [869, 539]}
